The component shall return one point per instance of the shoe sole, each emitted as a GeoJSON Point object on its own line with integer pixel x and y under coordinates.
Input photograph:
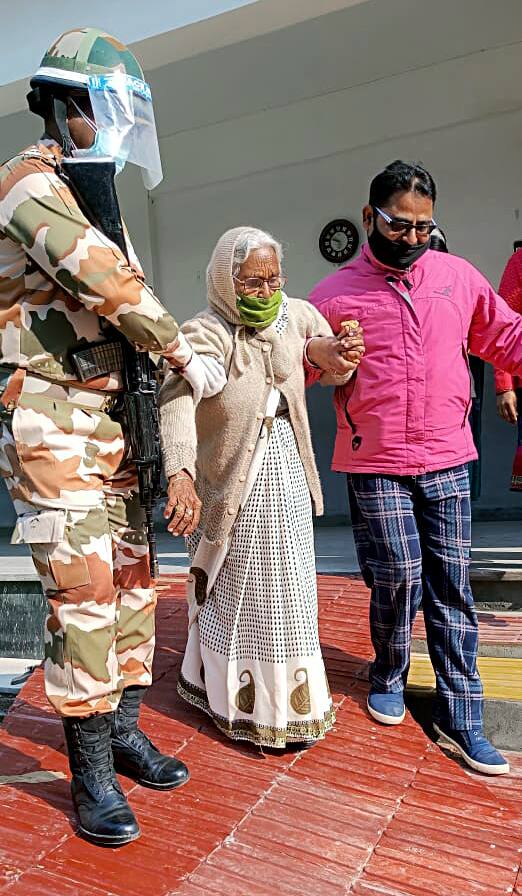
{"type": "Point", "coordinates": [477, 766]}
{"type": "Point", "coordinates": [384, 719]}
{"type": "Point", "coordinates": [103, 840]}
{"type": "Point", "coordinates": [152, 786]}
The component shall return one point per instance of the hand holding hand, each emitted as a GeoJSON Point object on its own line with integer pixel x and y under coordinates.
{"type": "Point", "coordinates": [183, 508]}
{"type": "Point", "coordinates": [327, 353]}
{"type": "Point", "coordinates": [352, 338]}
{"type": "Point", "coordinates": [337, 354]}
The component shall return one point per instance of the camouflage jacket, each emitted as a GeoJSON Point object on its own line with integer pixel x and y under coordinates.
{"type": "Point", "coordinates": [60, 276]}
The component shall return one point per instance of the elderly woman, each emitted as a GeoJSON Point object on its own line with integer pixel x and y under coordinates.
{"type": "Point", "coordinates": [253, 660]}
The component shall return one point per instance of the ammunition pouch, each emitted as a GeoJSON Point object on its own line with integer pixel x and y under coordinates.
{"type": "Point", "coordinates": [97, 359]}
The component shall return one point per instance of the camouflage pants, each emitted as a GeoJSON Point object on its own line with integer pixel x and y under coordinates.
{"type": "Point", "coordinates": [74, 489]}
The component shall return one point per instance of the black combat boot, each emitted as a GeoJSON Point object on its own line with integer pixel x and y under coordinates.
{"type": "Point", "coordinates": [134, 754]}
{"type": "Point", "coordinates": [105, 815]}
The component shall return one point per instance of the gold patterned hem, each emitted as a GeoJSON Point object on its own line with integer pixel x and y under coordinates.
{"type": "Point", "coordinates": [261, 735]}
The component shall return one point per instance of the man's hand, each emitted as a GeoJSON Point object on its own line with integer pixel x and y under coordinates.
{"type": "Point", "coordinates": [507, 406]}
{"type": "Point", "coordinates": [337, 354]}
{"type": "Point", "coordinates": [183, 507]}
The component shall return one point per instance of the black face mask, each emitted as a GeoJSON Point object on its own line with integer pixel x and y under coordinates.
{"type": "Point", "coordinates": [395, 253]}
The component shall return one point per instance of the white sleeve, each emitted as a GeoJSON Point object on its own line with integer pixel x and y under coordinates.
{"type": "Point", "coordinates": [205, 374]}
{"type": "Point", "coordinates": [181, 355]}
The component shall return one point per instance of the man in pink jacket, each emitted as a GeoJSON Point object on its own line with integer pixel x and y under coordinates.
{"type": "Point", "coordinates": [404, 440]}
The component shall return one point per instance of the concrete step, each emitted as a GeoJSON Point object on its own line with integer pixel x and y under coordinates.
{"type": "Point", "coordinates": [14, 672]}
{"type": "Point", "coordinates": [496, 565]}
{"type": "Point", "coordinates": [497, 586]}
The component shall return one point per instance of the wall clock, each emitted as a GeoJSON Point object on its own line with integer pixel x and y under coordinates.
{"type": "Point", "coordinates": [339, 241]}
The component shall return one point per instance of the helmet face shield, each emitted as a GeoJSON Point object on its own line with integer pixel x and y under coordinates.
{"type": "Point", "coordinates": [126, 129]}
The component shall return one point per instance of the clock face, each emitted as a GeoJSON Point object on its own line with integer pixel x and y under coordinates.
{"type": "Point", "coordinates": [339, 241]}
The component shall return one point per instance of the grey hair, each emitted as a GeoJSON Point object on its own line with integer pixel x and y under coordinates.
{"type": "Point", "coordinates": [251, 240]}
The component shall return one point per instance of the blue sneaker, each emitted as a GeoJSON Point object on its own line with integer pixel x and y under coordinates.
{"type": "Point", "coordinates": [388, 709]}
{"type": "Point", "coordinates": [475, 750]}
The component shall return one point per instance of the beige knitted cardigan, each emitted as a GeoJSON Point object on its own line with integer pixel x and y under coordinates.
{"type": "Point", "coordinates": [215, 440]}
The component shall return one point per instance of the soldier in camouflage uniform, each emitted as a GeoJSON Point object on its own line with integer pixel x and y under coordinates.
{"type": "Point", "coordinates": [64, 453]}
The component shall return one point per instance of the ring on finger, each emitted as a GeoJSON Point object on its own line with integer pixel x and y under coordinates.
{"type": "Point", "coordinates": [188, 512]}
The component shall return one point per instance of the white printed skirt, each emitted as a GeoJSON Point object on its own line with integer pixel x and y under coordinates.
{"type": "Point", "coordinates": [253, 660]}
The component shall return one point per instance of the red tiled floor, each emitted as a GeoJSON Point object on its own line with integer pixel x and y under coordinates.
{"type": "Point", "coordinates": [368, 812]}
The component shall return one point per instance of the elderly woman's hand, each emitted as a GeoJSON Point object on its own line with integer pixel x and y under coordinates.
{"type": "Point", "coordinates": [183, 507]}
{"type": "Point", "coordinates": [337, 354]}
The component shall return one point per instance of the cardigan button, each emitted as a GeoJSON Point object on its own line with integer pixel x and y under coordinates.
{"type": "Point", "coordinates": [230, 510]}
{"type": "Point", "coordinates": [269, 380]}
{"type": "Point", "coordinates": [251, 447]}
{"type": "Point", "coordinates": [266, 347]}
{"type": "Point", "coordinates": [242, 478]}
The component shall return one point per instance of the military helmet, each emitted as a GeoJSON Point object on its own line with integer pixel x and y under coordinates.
{"type": "Point", "coordinates": [89, 61]}
{"type": "Point", "coordinates": [73, 58]}
{"type": "Point", "coordinates": [82, 52]}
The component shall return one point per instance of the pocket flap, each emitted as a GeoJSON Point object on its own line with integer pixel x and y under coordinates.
{"type": "Point", "coordinates": [40, 527]}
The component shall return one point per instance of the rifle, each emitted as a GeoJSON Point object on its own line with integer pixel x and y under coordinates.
{"type": "Point", "coordinates": [92, 183]}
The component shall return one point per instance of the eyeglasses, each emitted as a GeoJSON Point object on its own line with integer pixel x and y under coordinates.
{"type": "Point", "coordinates": [255, 284]}
{"type": "Point", "coordinates": [401, 228]}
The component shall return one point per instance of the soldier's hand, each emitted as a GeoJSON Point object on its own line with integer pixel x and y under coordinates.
{"type": "Point", "coordinates": [179, 352]}
{"type": "Point", "coordinates": [183, 508]}
{"type": "Point", "coordinates": [507, 406]}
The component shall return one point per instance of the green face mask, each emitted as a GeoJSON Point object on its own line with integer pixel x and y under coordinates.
{"type": "Point", "coordinates": [259, 313]}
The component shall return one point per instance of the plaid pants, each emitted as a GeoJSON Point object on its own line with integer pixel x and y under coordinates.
{"type": "Point", "coordinates": [413, 538]}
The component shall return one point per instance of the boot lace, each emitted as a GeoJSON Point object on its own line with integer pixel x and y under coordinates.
{"type": "Point", "coordinates": [96, 750]}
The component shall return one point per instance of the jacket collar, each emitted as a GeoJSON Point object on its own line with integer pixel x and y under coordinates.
{"type": "Point", "coordinates": [369, 258]}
